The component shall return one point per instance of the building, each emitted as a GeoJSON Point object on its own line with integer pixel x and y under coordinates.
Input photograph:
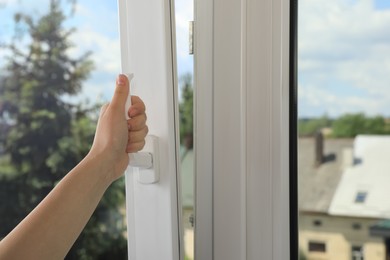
{"type": "Point", "coordinates": [343, 189]}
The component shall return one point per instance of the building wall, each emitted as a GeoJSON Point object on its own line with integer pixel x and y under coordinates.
{"type": "Point", "coordinates": [339, 235]}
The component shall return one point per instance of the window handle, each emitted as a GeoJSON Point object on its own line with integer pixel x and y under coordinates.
{"type": "Point", "coordinates": [147, 159]}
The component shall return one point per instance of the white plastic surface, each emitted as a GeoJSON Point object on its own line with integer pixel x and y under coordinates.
{"type": "Point", "coordinates": [242, 50]}
{"type": "Point", "coordinates": [149, 175]}
{"type": "Point", "coordinates": [130, 77]}
{"type": "Point", "coordinates": [141, 160]}
{"type": "Point", "coordinates": [147, 51]}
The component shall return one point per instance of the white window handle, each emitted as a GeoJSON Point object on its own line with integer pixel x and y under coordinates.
{"type": "Point", "coordinates": [146, 160]}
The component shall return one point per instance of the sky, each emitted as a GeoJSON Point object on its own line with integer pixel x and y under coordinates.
{"type": "Point", "coordinates": [343, 57]}
{"type": "Point", "coordinates": [96, 24]}
{"type": "Point", "coordinates": [343, 50]}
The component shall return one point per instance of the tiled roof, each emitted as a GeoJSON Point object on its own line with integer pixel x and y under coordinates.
{"type": "Point", "coordinates": [364, 189]}
{"type": "Point", "coordinates": [317, 185]}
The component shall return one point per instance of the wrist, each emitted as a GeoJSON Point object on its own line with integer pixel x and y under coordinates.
{"type": "Point", "coordinates": [111, 165]}
{"type": "Point", "coordinates": [103, 166]}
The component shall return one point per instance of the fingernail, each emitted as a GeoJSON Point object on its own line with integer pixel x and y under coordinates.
{"type": "Point", "coordinates": [121, 80]}
{"type": "Point", "coordinates": [128, 126]}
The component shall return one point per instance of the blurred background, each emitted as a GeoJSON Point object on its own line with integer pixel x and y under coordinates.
{"type": "Point", "coordinates": [59, 60]}
{"type": "Point", "coordinates": [344, 129]}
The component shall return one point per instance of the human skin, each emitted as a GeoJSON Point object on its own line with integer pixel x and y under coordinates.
{"type": "Point", "coordinates": [50, 230]}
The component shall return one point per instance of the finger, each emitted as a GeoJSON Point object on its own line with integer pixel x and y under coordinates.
{"type": "Point", "coordinates": [138, 136]}
{"type": "Point", "coordinates": [103, 109]}
{"type": "Point", "coordinates": [136, 123]}
{"type": "Point", "coordinates": [121, 92]}
{"type": "Point", "coordinates": [137, 107]}
{"type": "Point", "coordinates": [135, 147]}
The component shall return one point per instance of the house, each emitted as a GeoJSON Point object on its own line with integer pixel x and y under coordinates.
{"type": "Point", "coordinates": [342, 197]}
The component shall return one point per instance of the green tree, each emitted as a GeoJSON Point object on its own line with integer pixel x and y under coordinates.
{"type": "Point", "coordinates": [186, 112]}
{"type": "Point", "coordinates": [350, 125]}
{"type": "Point", "coordinates": [308, 127]}
{"type": "Point", "coordinates": [302, 255]}
{"type": "Point", "coordinates": [43, 136]}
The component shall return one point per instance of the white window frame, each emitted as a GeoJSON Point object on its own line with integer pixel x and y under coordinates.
{"type": "Point", "coordinates": [149, 52]}
{"type": "Point", "coordinates": [242, 130]}
{"type": "Point", "coordinates": [242, 137]}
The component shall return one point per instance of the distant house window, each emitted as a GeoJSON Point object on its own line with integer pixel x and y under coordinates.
{"type": "Point", "coordinates": [357, 253]}
{"type": "Point", "coordinates": [317, 223]}
{"type": "Point", "coordinates": [315, 246]}
{"type": "Point", "coordinates": [356, 226]}
{"type": "Point", "coordinates": [361, 197]}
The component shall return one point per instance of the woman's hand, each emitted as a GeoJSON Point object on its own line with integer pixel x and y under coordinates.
{"type": "Point", "coordinates": [115, 136]}
{"type": "Point", "coordinates": [50, 230]}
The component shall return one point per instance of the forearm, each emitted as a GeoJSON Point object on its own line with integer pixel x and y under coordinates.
{"type": "Point", "coordinates": [50, 230]}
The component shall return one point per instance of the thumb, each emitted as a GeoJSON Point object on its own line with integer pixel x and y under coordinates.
{"type": "Point", "coordinates": [121, 92]}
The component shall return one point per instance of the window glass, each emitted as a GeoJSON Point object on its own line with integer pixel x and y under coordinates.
{"type": "Point", "coordinates": [59, 61]}
{"type": "Point", "coordinates": [317, 247]}
{"type": "Point", "coordinates": [344, 126]}
{"type": "Point", "coordinates": [184, 14]}
{"type": "Point", "coordinates": [361, 197]}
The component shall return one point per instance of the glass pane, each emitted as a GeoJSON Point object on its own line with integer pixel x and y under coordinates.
{"type": "Point", "coordinates": [344, 129]}
{"type": "Point", "coordinates": [59, 61]}
{"type": "Point", "coordinates": [184, 14]}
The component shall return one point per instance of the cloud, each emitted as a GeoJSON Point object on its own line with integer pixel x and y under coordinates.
{"type": "Point", "coordinates": [344, 43]}
{"type": "Point", "coordinates": [96, 26]}
{"type": "Point", "coordinates": [105, 50]}
{"type": "Point", "coordinates": [314, 101]}
{"type": "Point", "coordinates": [102, 38]}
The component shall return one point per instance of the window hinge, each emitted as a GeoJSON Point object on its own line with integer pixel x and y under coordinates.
{"type": "Point", "coordinates": [191, 37]}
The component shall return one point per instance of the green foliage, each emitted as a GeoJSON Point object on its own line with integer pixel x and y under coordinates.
{"type": "Point", "coordinates": [43, 137]}
{"type": "Point", "coordinates": [186, 257]}
{"type": "Point", "coordinates": [308, 127]}
{"type": "Point", "coordinates": [302, 255]}
{"type": "Point", "coordinates": [186, 112]}
{"type": "Point", "coordinates": [346, 126]}
{"type": "Point", "coordinates": [350, 125]}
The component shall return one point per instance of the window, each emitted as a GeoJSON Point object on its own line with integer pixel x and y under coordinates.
{"type": "Point", "coordinates": [357, 253]}
{"type": "Point", "coordinates": [317, 246]}
{"type": "Point", "coordinates": [184, 14]}
{"type": "Point", "coordinates": [317, 223]}
{"type": "Point", "coordinates": [153, 210]}
{"type": "Point", "coordinates": [361, 197]}
{"type": "Point", "coordinates": [356, 226]}
{"type": "Point", "coordinates": [343, 95]}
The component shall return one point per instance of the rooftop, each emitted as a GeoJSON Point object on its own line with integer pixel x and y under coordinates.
{"type": "Point", "coordinates": [364, 189]}
{"type": "Point", "coordinates": [317, 185]}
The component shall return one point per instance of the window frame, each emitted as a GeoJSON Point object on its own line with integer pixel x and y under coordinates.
{"type": "Point", "coordinates": [153, 210]}
{"type": "Point", "coordinates": [261, 166]}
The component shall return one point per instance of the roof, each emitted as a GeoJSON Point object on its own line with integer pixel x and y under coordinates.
{"type": "Point", "coordinates": [317, 185]}
{"type": "Point", "coordinates": [364, 189]}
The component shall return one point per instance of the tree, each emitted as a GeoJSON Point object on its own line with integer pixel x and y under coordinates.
{"type": "Point", "coordinates": [350, 125]}
{"type": "Point", "coordinates": [308, 127]}
{"type": "Point", "coordinates": [186, 112]}
{"type": "Point", "coordinates": [302, 255]}
{"type": "Point", "coordinates": [43, 136]}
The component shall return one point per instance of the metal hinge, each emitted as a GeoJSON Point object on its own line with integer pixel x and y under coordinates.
{"type": "Point", "coordinates": [191, 38]}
